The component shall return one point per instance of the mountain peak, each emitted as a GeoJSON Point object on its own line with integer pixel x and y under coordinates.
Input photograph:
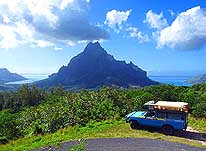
{"type": "Point", "coordinates": [93, 44]}
{"type": "Point", "coordinates": [4, 70]}
{"type": "Point", "coordinates": [6, 76]}
{"type": "Point", "coordinates": [93, 68]}
{"type": "Point", "coordinates": [94, 47]}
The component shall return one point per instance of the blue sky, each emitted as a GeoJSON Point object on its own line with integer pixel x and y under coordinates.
{"type": "Point", "coordinates": [159, 36]}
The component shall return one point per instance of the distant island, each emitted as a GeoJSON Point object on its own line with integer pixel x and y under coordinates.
{"type": "Point", "coordinates": [94, 68]}
{"type": "Point", "coordinates": [6, 76]}
{"type": "Point", "coordinates": [197, 79]}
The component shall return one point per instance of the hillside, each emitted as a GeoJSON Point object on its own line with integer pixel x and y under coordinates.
{"type": "Point", "coordinates": [197, 79]}
{"type": "Point", "coordinates": [93, 68]}
{"type": "Point", "coordinates": [105, 129]}
{"type": "Point", "coordinates": [29, 113]}
{"type": "Point", "coordinates": [6, 76]}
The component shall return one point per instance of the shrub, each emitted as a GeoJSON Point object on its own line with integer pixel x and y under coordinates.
{"type": "Point", "coordinates": [8, 126]}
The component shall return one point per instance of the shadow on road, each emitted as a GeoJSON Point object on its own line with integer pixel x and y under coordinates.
{"type": "Point", "coordinates": [191, 135]}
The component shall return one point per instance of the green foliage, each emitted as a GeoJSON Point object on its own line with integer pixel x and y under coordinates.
{"type": "Point", "coordinates": [8, 126]}
{"type": "Point", "coordinates": [200, 110]}
{"type": "Point", "coordinates": [199, 87]}
{"type": "Point", "coordinates": [25, 96]}
{"type": "Point", "coordinates": [104, 129]}
{"type": "Point", "coordinates": [35, 111]}
{"type": "Point", "coordinates": [80, 146]}
{"type": "Point", "coordinates": [197, 123]}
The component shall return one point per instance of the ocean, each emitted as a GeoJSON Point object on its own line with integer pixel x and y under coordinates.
{"type": "Point", "coordinates": [31, 78]}
{"type": "Point", "coordinates": [174, 80]}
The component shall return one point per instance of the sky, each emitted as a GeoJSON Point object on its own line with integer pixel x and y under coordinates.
{"type": "Point", "coordinates": [160, 36]}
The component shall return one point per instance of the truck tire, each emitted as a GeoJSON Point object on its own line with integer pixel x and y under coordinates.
{"type": "Point", "coordinates": [134, 125]}
{"type": "Point", "coordinates": [167, 129]}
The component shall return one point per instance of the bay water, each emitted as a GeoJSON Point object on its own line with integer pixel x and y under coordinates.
{"type": "Point", "coordinates": [173, 80]}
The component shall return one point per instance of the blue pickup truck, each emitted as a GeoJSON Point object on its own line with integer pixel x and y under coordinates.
{"type": "Point", "coordinates": [164, 115]}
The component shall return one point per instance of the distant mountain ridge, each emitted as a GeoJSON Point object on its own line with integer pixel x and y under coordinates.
{"type": "Point", "coordinates": [6, 76]}
{"type": "Point", "coordinates": [93, 68]}
{"type": "Point", "coordinates": [197, 79]}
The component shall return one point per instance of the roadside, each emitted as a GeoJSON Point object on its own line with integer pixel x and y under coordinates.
{"type": "Point", "coordinates": [106, 129]}
{"type": "Point", "coordinates": [192, 134]}
{"type": "Point", "coordinates": [125, 144]}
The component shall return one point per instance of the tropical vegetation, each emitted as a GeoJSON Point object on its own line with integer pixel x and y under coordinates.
{"type": "Point", "coordinates": [31, 111]}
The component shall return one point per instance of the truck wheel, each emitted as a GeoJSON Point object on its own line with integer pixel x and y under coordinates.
{"type": "Point", "coordinates": [167, 129]}
{"type": "Point", "coordinates": [134, 125]}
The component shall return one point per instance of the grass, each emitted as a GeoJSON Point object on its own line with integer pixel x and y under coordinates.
{"type": "Point", "coordinates": [198, 124]}
{"type": "Point", "coordinates": [106, 129]}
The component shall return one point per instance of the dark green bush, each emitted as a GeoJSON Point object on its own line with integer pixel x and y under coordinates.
{"type": "Point", "coordinates": [8, 126]}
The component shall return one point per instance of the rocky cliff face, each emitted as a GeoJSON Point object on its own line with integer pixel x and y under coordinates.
{"type": "Point", "coordinates": [93, 68]}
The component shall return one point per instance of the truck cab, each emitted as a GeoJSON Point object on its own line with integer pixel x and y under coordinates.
{"type": "Point", "coordinates": [164, 115]}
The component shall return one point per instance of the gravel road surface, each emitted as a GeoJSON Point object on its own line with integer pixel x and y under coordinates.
{"type": "Point", "coordinates": [126, 144]}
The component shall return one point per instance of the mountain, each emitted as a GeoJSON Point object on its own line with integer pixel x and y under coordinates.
{"type": "Point", "coordinates": [6, 76]}
{"type": "Point", "coordinates": [197, 79]}
{"type": "Point", "coordinates": [93, 68]}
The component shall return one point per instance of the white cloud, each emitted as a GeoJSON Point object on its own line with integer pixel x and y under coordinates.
{"type": "Point", "coordinates": [17, 34]}
{"type": "Point", "coordinates": [43, 23]}
{"type": "Point", "coordinates": [156, 21]}
{"type": "Point", "coordinates": [19, 31]}
{"type": "Point", "coordinates": [64, 3]}
{"type": "Point", "coordinates": [82, 41]}
{"type": "Point", "coordinates": [8, 37]}
{"type": "Point", "coordinates": [57, 48]}
{"type": "Point", "coordinates": [171, 12]}
{"type": "Point", "coordinates": [42, 10]}
{"type": "Point", "coordinates": [42, 43]}
{"type": "Point", "coordinates": [115, 19]}
{"type": "Point", "coordinates": [136, 33]}
{"type": "Point", "coordinates": [71, 43]}
{"type": "Point", "coordinates": [24, 30]}
{"type": "Point", "coordinates": [100, 41]}
{"type": "Point", "coordinates": [187, 31]}
{"type": "Point", "coordinates": [6, 19]}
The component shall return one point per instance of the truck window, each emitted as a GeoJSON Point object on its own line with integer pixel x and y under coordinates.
{"type": "Point", "coordinates": [150, 114]}
{"type": "Point", "coordinates": [175, 116]}
{"type": "Point", "coordinates": [161, 115]}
